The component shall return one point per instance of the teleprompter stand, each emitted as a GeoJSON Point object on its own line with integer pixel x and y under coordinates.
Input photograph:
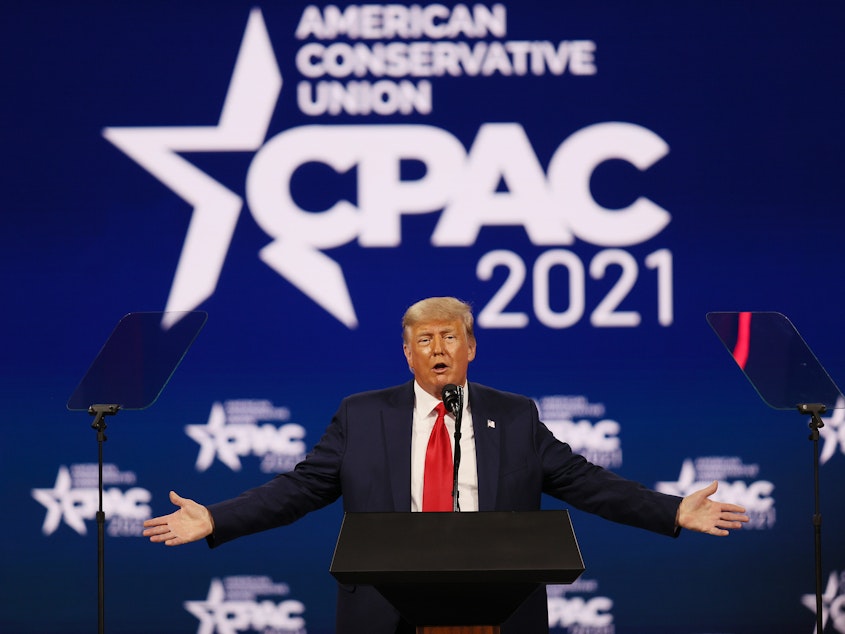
{"type": "Point", "coordinates": [786, 374]}
{"type": "Point", "coordinates": [457, 573]}
{"type": "Point", "coordinates": [815, 410]}
{"type": "Point", "coordinates": [130, 372]}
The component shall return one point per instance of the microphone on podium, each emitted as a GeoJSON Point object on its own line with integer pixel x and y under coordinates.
{"type": "Point", "coordinates": [451, 396]}
{"type": "Point", "coordinates": [453, 399]}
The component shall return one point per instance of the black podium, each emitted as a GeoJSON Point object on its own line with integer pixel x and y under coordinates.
{"type": "Point", "coordinates": [457, 572]}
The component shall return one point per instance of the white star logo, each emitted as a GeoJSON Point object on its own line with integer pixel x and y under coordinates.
{"type": "Point", "coordinates": [833, 432]}
{"type": "Point", "coordinates": [250, 101]}
{"type": "Point", "coordinates": [212, 438]}
{"type": "Point", "coordinates": [828, 597]}
{"type": "Point", "coordinates": [206, 611]}
{"type": "Point", "coordinates": [59, 504]}
{"type": "Point", "coordinates": [685, 484]}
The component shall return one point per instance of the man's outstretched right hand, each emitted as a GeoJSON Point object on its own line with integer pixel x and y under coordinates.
{"type": "Point", "coordinates": [188, 524]}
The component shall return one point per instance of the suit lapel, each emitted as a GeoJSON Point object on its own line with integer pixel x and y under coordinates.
{"type": "Point", "coordinates": [397, 420]}
{"type": "Point", "coordinates": [486, 448]}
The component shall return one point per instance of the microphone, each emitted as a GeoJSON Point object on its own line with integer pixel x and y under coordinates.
{"type": "Point", "coordinates": [451, 396]}
{"type": "Point", "coordinates": [453, 400]}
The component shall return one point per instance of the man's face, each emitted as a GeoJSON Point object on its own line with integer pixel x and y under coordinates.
{"type": "Point", "coordinates": [438, 353]}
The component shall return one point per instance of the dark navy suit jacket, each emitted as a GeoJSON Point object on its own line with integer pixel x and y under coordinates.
{"type": "Point", "coordinates": [365, 456]}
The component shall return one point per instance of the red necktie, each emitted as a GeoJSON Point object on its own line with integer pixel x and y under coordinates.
{"type": "Point", "coordinates": [437, 485]}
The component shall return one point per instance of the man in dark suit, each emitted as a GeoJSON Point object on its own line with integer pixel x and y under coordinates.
{"type": "Point", "coordinates": [374, 455]}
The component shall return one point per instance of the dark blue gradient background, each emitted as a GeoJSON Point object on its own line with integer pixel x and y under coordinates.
{"type": "Point", "coordinates": [748, 97]}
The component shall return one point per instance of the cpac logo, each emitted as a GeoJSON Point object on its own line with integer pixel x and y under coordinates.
{"type": "Point", "coordinates": [597, 442]}
{"type": "Point", "coordinates": [126, 510]}
{"type": "Point", "coordinates": [833, 602]}
{"type": "Point", "coordinates": [576, 611]}
{"type": "Point", "coordinates": [756, 497]}
{"type": "Point", "coordinates": [603, 436]}
{"type": "Point", "coordinates": [554, 208]}
{"type": "Point", "coordinates": [281, 448]}
{"type": "Point", "coordinates": [219, 615]}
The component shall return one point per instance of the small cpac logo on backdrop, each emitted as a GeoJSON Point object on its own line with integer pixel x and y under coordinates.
{"type": "Point", "coordinates": [738, 484]}
{"type": "Point", "coordinates": [833, 602]}
{"type": "Point", "coordinates": [74, 499]}
{"type": "Point", "coordinates": [232, 606]}
{"type": "Point", "coordinates": [578, 608]}
{"type": "Point", "coordinates": [568, 418]}
{"type": "Point", "coordinates": [234, 431]}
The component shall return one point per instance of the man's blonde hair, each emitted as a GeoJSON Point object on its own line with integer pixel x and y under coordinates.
{"type": "Point", "coordinates": [438, 309]}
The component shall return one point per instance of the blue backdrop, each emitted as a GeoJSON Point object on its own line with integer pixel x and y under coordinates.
{"type": "Point", "coordinates": [593, 178]}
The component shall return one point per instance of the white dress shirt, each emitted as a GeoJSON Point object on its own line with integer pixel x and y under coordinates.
{"type": "Point", "coordinates": [424, 419]}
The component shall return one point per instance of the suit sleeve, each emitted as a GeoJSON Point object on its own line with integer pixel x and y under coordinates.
{"type": "Point", "coordinates": [313, 484]}
{"type": "Point", "coordinates": [572, 478]}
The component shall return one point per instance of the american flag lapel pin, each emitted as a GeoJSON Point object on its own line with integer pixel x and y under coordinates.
{"type": "Point", "coordinates": [491, 424]}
